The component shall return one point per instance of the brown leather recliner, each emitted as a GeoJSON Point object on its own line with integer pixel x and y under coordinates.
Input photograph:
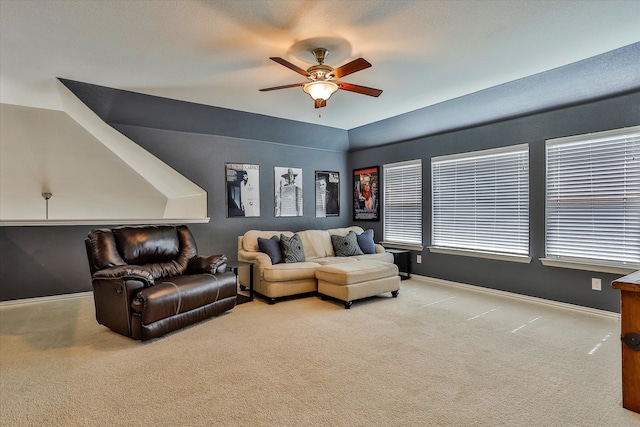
{"type": "Point", "coordinates": [149, 280]}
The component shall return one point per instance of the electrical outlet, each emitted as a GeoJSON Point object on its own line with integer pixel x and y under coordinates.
{"type": "Point", "coordinates": [419, 259]}
{"type": "Point", "coordinates": [596, 284]}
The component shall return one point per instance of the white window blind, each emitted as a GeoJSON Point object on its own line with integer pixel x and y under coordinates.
{"type": "Point", "coordinates": [402, 209]}
{"type": "Point", "coordinates": [593, 198]}
{"type": "Point", "coordinates": [480, 201]}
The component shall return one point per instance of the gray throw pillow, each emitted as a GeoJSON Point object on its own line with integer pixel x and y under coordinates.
{"type": "Point", "coordinates": [292, 250]}
{"type": "Point", "coordinates": [271, 247]}
{"type": "Point", "coordinates": [366, 243]}
{"type": "Point", "coordinates": [346, 245]}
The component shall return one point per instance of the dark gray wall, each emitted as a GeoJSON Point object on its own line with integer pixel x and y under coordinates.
{"type": "Point", "coordinates": [121, 107]}
{"type": "Point", "coordinates": [598, 77]}
{"type": "Point", "coordinates": [43, 261]}
{"type": "Point", "coordinates": [40, 261]}
{"type": "Point", "coordinates": [195, 140]}
{"type": "Point", "coordinates": [534, 279]}
{"type": "Point", "coordinates": [201, 158]}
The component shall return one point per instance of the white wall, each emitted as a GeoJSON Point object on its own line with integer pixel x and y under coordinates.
{"type": "Point", "coordinates": [47, 151]}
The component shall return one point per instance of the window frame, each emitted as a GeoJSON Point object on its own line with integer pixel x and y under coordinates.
{"type": "Point", "coordinates": [586, 144]}
{"type": "Point", "coordinates": [520, 153]}
{"type": "Point", "coordinates": [415, 194]}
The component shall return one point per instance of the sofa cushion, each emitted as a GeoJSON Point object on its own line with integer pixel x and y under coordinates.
{"type": "Point", "coordinates": [366, 243]}
{"type": "Point", "coordinates": [292, 271]}
{"type": "Point", "coordinates": [292, 249]}
{"type": "Point", "coordinates": [333, 260]}
{"type": "Point", "coordinates": [378, 256]}
{"type": "Point", "coordinates": [271, 247]}
{"type": "Point", "coordinates": [346, 245]}
{"type": "Point", "coordinates": [316, 243]}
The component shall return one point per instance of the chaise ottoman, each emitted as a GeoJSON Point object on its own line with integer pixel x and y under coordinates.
{"type": "Point", "coordinates": [351, 281]}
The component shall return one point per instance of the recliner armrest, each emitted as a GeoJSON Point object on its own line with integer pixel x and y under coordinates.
{"type": "Point", "coordinates": [113, 290]}
{"type": "Point", "coordinates": [125, 272]}
{"type": "Point", "coordinates": [211, 264]}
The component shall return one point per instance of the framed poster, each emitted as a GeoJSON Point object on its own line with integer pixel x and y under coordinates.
{"type": "Point", "coordinates": [243, 190]}
{"type": "Point", "coordinates": [327, 194]}
{"type": "Point", "coordinates": [288, 197]}
{"type": "Point", "coordinates": [366, 184]}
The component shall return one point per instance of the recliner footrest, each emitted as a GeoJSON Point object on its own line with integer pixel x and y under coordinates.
{"type": "Point", "coordinates": [179, 294]}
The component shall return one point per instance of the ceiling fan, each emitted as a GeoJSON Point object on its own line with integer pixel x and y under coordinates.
{"type": "Point", "coordinates": [323, 80]}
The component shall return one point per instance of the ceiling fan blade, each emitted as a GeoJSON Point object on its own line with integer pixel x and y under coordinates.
{"type": "Point", "coordinates": [281, 87]}
{"type": "Point", "coordinates": [359, 89]}
{"type": "Point", "coordinates": [289, 65]}
{"type": "Point", "coordinates": [319, 103]}
{"type": "Point", "coordinates": [350, 68]}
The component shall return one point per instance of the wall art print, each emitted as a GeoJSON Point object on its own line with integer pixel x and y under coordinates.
{"type": "Point", "coordinates": [327, 194]}
{"type": "Point", "coordinates": [243, 190]}
{"type": "Point", "coordinates": [288, 196]}
{"type": "Point", "coordinates": [366, 185]}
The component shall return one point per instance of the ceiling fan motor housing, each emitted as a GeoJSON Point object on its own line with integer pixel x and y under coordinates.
{"type": "Point", "coordinates": [319, 72]}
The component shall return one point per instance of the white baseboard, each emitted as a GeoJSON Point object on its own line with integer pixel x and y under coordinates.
{"type": "Point", "coordinates": [39, 300]}
{"type": "Point", "coordinates": [557, 304]}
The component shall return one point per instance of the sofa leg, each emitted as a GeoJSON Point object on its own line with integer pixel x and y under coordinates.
{"type": "Point", "coordinates": [347, 304]}
{"type": "Point", "coordinates": [272, 301]}
{"type": "Point", "coordinates": [395, 294]}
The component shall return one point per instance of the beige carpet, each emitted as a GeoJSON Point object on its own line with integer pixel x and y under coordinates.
{"type": "Point", "coordinates": [434, 356]}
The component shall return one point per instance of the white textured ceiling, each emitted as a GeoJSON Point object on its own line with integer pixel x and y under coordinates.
{"type": "Point", "coordinates": [217, 52]}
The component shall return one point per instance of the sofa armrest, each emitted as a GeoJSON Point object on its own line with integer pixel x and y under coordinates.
{"type": "Point", "coordinates": [211, 264]}
{"type": "Point", "coordinates": [379, 248]}
{"type": "Point", "coordinates": [259, 258]}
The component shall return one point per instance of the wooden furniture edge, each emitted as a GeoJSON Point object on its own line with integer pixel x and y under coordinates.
{"type": "Point", "coordinates": [630, 282]}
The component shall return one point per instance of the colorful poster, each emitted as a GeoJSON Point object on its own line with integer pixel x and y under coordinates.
{"type": "Point", "coordinates": [366, 186]}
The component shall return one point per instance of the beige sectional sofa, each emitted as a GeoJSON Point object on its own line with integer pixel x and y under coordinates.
{"type": "Point", "coordinates": [284, 279]}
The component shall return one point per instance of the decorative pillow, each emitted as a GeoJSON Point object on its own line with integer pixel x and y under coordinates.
{"type": "Point", "coordinates": [271, 247]}
{"type": "Point", "coordinates": [292, 249]}
{"type": "Point", "coordinates": [365, 241]}
{"type": "Point", "coordinates": [346, 245]}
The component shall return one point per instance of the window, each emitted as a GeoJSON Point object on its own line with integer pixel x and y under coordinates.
{"type": "Point", "coordinates": [402, 210]}
{"type": "Point", "coordinates": [480, 202]}
{"type": "Point", "coordinates": [593, 198]}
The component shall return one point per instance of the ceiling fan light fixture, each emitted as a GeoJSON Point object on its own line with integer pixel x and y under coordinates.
{"type": "Point", "coordinates": [320, 89]}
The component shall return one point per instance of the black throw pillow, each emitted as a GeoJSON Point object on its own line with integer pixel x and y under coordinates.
{"type": "Point", "coordinates": [271, 247]}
